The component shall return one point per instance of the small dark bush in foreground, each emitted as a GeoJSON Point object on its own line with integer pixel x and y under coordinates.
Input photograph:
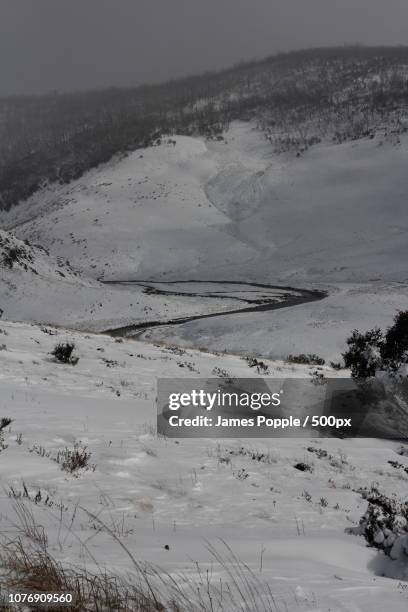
{"type": "Point", "coordinates": [63, 353]}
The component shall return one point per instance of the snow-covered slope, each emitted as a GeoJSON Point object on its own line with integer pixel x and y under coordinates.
{"type": "Point", "coordinates": [35, 286]}
{"type": "Point", "coordinates": [232, 209]}
{"type": "Point", "coordinates": [141, 215]}
{"type": "Point", "coordinates": [287, 526]}
{"type": "Point", "coordinates": [336, 213]}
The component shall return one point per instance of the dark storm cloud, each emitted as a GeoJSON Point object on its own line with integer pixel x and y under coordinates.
{"type": "Point", "coordinates": [77, 44]}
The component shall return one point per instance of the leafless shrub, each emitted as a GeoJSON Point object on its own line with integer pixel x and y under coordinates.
{"type": "Point", "coordinates": [75, 459]}
{"type": "Point", "coordinates": [255, 454]}
{"type": "Point", "coordinates": [72, 460]}
{"type": "Point", "coordinates": [260, 366]}
{"type": "Point", "coordinates": [307, 496]}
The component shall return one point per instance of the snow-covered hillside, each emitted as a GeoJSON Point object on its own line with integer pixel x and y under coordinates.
{"type": "Point", "coordinates": [232, 209]}
{"type": "Point", "coordinates": [134, 217]}
{"type": "Point", "coordinates": [35, 286]}
{"type": "Point", "coordinates": [163, 498]}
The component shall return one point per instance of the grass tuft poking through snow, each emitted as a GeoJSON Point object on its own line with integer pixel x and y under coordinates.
{"type": "Point", "coordinates": [29, 566]}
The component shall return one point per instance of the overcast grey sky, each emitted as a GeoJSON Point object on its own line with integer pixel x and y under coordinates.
{"type": "Point", "coordinates": [82, 44]}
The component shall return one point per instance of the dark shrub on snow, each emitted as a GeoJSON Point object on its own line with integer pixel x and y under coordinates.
{"type": "Point", "coordinates": [372, 351]}
{"type": "Point", "coordinates": [363, 356]}
{"type": "Point", "coordinates": [309, 359]}
{"type": "Point", "coordinates": [385, 525]}
{"type": "Point", "coordinates": [63, 353]}
{"type": "Point", "coordinates": [394, 350]}
{"type": "Point", "coordinates": [72, 460]}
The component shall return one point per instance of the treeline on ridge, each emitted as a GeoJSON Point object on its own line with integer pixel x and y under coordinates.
{"type": "Point", "coordinates": [296, 98]}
